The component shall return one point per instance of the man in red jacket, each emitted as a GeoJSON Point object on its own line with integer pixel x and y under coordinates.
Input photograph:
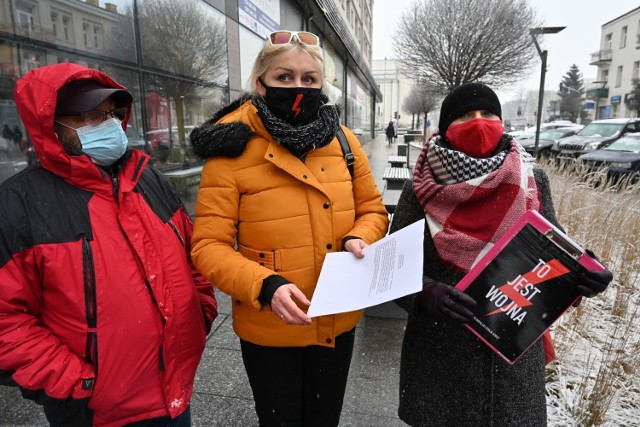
{"type": "Point", "coordinates": [103, 318]}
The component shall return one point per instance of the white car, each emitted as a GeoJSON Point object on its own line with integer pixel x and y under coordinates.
{"type": "Point", "coordinates": [551, 125]}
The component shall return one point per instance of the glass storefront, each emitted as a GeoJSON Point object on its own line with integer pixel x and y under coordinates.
{"type": "Point", "coordinates": [171, 55]}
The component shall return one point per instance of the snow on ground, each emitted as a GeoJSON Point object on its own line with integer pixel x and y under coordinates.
{"type": "Point", "coordinates": [595, 380]}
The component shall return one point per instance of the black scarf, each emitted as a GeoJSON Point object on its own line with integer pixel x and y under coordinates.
{"type": "Point", "coordinates": [302, 139]}
{"type": "Point", "coordinates": [212, 139]}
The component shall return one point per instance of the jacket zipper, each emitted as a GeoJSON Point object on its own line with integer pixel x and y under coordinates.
{"type": "Point", "coordinates": [175, 230]}
{"type": "Point", "coordinates": [154, 301]}
{"type": "Point", "coordinates": [90, 304]}
{"type": "Point", "coordinates": [114, 182]}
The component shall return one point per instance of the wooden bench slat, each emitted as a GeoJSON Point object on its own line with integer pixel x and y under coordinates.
{"type": "Point", "coordinates": [397, 161]}
{"type": "Point", "coordinates": [396, 177]}
{"type": "Point", "coordinates": [396, 174]}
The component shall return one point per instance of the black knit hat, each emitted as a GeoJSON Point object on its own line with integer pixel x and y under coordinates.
{"type": "Point", "coordinates": [467, 97]}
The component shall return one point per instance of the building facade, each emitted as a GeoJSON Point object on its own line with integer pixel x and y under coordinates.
{"type": "Point", "coordinates": [181, 60]}
{"type": "Point", "coordinates": [618, 62]}
{"type": "Point", "coordinates": [396, 87]}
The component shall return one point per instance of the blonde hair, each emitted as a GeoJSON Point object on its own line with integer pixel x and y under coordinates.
{"type": "Point", "coordinates": [270, 52]}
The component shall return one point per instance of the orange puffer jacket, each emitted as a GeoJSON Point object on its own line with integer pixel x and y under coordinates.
{"type": "Point", "coordinates": [285, 216]}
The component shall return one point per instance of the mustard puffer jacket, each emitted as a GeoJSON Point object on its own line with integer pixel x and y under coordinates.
{"type": "Point", "coordinates": [261, 211]}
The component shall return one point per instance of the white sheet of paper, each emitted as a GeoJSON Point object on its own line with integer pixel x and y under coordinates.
{"type": "Point", "coordinates": [391, 268]}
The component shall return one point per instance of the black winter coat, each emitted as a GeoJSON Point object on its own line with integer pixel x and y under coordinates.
{"type": "Point", "coordinates": [448, 377]}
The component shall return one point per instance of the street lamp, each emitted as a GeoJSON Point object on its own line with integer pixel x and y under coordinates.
{"type": "Point", "coordinates": [543, 55]}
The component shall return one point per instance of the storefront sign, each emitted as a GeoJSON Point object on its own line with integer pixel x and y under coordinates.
{"type": "Point", "coordinates": [615, 99]}
{"type": "Point", "coordinates": [260, 16]}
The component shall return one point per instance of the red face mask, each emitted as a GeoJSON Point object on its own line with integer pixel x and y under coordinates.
{"type": "Point", "coordinates": [476, 138]}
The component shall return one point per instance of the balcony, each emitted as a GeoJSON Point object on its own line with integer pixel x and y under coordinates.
{"type": "Point", "coordinates": [597, 93]}
{"type": "Point", "coordinates": [600, 57]}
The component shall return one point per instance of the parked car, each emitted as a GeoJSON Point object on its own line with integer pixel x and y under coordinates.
{"type": "Point", "coordinates": [621, 158]}
{"type": "Point", "coordinates": [596, 135]}
{"type": "Point", "coordinates": [551, 125]}
{"type": "Point", "coordinates": [161, 137]}
{"type": "Point", "coordinates": [547, 138]}
{"type": "Point", "coordinates": [523, 136]}
{"type": "Point", "coordinates": [136, 140]}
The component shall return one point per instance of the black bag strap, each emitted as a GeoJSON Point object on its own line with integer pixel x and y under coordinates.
{"type": "Point", "coordinates": [346, 150]}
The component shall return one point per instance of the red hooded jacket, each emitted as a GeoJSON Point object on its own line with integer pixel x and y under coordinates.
{"type": "Point", "coordinates": [103, 319]}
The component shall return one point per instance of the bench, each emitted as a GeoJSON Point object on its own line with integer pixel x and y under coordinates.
{"type": "Point", "coordinates": [185, 178]}
{"type": "Point", "coordinates": [397, 161]}
{"type": "Point", "coordinates": [396, 177]}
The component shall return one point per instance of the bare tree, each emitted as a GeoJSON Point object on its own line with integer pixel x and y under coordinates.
{"type": "Point", "coordinates": [449, 42]}
{"type": "Point", "coordinates": [421, 100]}
{"type": "Point", "coordinates": [186, 45]}
{"type": "Point", "coordinates": [411, 106]}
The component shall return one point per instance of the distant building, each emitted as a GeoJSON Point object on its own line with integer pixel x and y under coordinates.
{"type": "Point", "coordinates": [618, 62]}
{"type": "Point", "coordinates": [525, 107]}
{"type": "Point", "coordinates": [395, 87]}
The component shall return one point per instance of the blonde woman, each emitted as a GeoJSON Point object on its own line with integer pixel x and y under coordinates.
{"type": "Point", "coordinates": [275, 197]}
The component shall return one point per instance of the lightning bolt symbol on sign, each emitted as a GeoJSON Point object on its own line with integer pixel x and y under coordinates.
{"type": "Point", "coordinates": [295, 107]}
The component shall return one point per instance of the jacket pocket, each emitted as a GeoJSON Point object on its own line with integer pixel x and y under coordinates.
{"type": "Point", "coordinates": [268, 259]}
{"type": "Point", "coordinates": [281, 259]}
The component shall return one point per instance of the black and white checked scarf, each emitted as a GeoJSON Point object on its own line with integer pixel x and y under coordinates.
{"type": "Point", "coordinates": [450, 166]}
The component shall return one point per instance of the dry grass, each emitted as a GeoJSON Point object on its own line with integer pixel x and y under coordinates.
{"type": "Point", "coordinates": [595, 380]}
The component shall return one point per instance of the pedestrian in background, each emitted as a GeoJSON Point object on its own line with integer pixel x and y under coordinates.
{"type": "Point", "coordinates": [103, 319]}
{"type": "Point", "coordinates": [17, 137]}
{"type": "Point", "coordinates": [472, 182]}
{"type": "Point", "coordinates": [390, 132]}
{"type": "Point", "coordinates": [7, 135]}
{"type": "Point", "coordinates": [276, 196]}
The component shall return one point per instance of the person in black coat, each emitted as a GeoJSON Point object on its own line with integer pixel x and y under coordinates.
{"type": "Point", "coordinates": [390, 132]}
{"type": "Point", "coordinates": [471, 182]}
{"type": "Point", "coordinates": [17, 137]}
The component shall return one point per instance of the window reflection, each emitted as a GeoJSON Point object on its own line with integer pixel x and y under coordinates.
{"type": "Point", "coordinates": [178, 78]}
{"type": "Point", "coordinates": [185, 42]}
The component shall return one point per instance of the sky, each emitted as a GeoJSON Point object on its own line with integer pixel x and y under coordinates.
{"type": "Point", "coordinates": [583, 20]}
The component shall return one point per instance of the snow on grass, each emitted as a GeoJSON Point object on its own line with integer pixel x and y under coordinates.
{"type": "Point", "coordinates": [595, 380]}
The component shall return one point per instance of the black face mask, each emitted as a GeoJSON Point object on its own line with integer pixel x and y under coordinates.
{"type": "Point", "coordinates": [295, 105]}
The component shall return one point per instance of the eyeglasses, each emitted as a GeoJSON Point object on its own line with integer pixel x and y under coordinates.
{"type": "Point", "coordinates": [286, 37]}
{"type": "Point", "coordinates": [99, 116]}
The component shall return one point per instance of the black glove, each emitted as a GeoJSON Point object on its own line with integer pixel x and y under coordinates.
{"type": "Point", "coordinates": [446, 302]}
{"type": "Point", "coordinates": [593, 281]}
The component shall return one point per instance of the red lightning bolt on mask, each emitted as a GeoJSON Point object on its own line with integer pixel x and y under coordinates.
{"type": "Point", "coordinates": [296, 104]}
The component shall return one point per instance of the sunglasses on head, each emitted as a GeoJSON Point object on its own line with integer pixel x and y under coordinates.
{"type": "Point", "coordinates": [286, 37]}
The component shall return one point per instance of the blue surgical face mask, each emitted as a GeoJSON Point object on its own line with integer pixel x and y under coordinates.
{"type": "Point", "coordinates": [104, 143]}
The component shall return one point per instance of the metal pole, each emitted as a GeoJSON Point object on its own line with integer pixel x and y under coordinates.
{"type": "Point", "coordinates": [543, 70]}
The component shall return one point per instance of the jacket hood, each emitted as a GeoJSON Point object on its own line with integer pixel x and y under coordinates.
{"type": "Point", "coordinates": [36, 96]}
{"type": "Point", "coordinates": [226, 139]}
